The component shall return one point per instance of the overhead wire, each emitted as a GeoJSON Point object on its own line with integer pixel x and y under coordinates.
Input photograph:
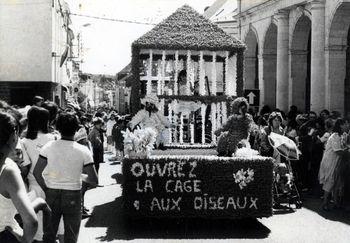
{"type": "Point", "coordinates": [111, 19]}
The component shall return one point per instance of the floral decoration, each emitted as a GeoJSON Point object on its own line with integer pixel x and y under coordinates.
{"type": "Point", "coordinates": [185, 30]}
{"type": "Point", "coordinates": [140, 142]}
{"type": "Point", "coordinates": [243, 177]}
{"type": "Point", "coordinates": [189, 30]}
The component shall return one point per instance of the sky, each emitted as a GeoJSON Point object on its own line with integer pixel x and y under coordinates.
{"type": "Point", "coordinates": [107, 44]}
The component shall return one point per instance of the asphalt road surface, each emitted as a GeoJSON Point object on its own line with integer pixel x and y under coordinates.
{"type": "Point", "coordinates": [308, 224]}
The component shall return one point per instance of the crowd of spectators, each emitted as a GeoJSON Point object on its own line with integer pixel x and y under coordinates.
{"type": "Point", "coordinates": [49, 158]}
{"type": "Point", "coordinates": [324, 145]}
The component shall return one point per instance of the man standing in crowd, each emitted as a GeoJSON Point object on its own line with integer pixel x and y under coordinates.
{"type": "Point", "coordinates": [97, 142]}
{"type": "Point", "coordinates": [64, 161]}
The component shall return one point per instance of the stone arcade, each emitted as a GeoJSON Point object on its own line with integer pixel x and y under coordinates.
{"type": "Point", "coordinates": [298, 52]}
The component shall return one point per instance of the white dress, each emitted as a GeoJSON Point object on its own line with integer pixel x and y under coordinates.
{"type": "Point", "coordinates": [30, 151]}
{"type": "Point", "coordinates": [7, 209]}
{"type": "Point", "coordinates": [330, 162]}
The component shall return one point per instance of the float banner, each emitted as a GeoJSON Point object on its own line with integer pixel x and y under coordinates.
{"type": "Point", "coordinates": [198, 186]}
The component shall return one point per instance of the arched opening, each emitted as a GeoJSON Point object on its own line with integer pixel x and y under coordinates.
{"type": "Point", "coordinates": [347, 78]}
{"type": "Point", "coordinates": [301, 64]}
{"type": "Point", "coordinates": [251, 62]}
{"type": "Point", "coordinates": [339, 61]}
{"type": "Point", "coordinates": [269, 72]}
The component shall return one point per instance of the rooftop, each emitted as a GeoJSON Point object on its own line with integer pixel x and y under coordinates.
{"type": "Point", "coordinates": [186, 29]}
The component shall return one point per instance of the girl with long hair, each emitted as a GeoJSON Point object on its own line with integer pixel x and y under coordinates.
{"type": "Point", "coordinates": [331, 159]}
{"type": "Point", "coordinates": [13, 194]}
{"type": "Point", "coordinates": [37, 136]}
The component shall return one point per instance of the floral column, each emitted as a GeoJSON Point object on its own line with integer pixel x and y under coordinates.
{"type": "Point", "coordinates": [181, 128]}
{"type": "Point", "coordinates": [192, 128]}
{"type": "Point", "coordinates": [226, 81]}
{"type": "Point", "coordinates": [203, 108]}
{"type": "Point", "coordinates": [213, 74]}
{"type": "Point", "coordinates": [188, 84]}
{"type": "Point", "coordinates": [176, 73]}
{"type": "Point", "coordinates": [149, 73]}
{"type": "Point", "coordinates": [162, 81]}
{"type": "Point", "coordinates": [159, 77]}
{"type": "Point", "coordinates": [224, 112]}
{"type": "Point", "coordinates": [170, 118]}
{"type": "Point", "coordinates": [218, 112]}
{"type": "Point", "coordinates": [201, 74]}
{"type": "Point", "coordinates": [213, 122]}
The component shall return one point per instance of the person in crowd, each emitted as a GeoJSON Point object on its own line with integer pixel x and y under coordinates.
{"type": "Point", "coordinates": [117, 136]}
{"type": "Point", "coordinates": [275, 125]}
{"type": "Point", "coordinates": [331, 158]}
{"type": "Point", "coordinates": [109, 126]}
{"type": "Point", "coordinates": [13, 194]}
{"type": "Point", "coordinates": [95, 137]}
{"type": "Point", "coordinates": [324, 114]}
{"type": "Point", "coordinates": [293, 112]}
{"type": "Point", "coordinates": [37, 136]}
{"type": "Point", "coordinates": [81, 137]}
{"type": "Point", "coordinates": [63, 161]}
{"type": "Point", "coordinates": [53, 111]}
{"type": "Point", "coordinates": [85, 123]}
{"type": "Point", "coordinates": [38, 100]}
{"type": "Point", "coordinates": [342, 169]}
{"type": "Point", "coordinates": [263, 119]}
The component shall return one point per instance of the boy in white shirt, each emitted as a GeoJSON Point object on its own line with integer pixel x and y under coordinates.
{"type": "Point", "coordinates": [58, 172]}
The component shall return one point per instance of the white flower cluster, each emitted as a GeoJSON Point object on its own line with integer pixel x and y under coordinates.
{"type": "Point", "coordinates": [244, 177]}
{"type": "Point", "coordinates": [141, 141]}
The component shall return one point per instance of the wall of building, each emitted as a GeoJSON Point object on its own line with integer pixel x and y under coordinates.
{"type": "Point", "coordinates": [25, 40]}
{"type": "Point", "coordinates": [246, 4]}
{"type": "Point", "coordinates": [316, 30]}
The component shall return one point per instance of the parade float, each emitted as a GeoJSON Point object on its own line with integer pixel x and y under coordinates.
{"type": "Point", "coordinates": [193, 66]}
{"type": "Point", "coordinates": [237, 185]}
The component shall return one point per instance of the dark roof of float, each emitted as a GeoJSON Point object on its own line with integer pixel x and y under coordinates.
{"type": "Point", "coordinates": [186, 29]}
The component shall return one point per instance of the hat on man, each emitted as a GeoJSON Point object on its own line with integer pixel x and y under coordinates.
{"type": "Point", "coordinates": [80, 134]}
{"type": "Point", "coordinates": [151, 98]}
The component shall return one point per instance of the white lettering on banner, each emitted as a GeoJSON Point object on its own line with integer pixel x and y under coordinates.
{"type": "Point", "coordinates": [182, 186]}
{"type": "Point", "coordinates": [169, 169]}
{"type": "Point", "coordinates": [223, 203]}
{"type": "Point", "coordinates": [148, 172]}
{"type": "Point", "coordinates": [179, 169]}
{"type": "Point", "coordinates": [182, 181]}
{"type": "Point", "coordinates": [147, 186]}
{"type": "Point", "coordinates": [166, 204]}
{"type": "Point", "coordinates": [253, 203]}
{"type": "Point", "coordinates": [137, 169]}
{"type": "Point", "coordinates": [161, 172]}
{"type": "Point", "coordinates": [193, 166]}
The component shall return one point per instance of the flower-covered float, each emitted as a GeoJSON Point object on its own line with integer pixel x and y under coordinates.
{"type": "Point", "coordinates": [173, 60]}
{"type": "Point", "coordinates": [193, 66]}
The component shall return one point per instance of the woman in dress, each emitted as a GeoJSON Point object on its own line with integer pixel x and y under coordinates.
{"type": "Point", "coordinates": [331, 158]}
{"type": "Point", "coordinates": [37, 136]}
{"type": "Point", "coordinates": [274, 125]}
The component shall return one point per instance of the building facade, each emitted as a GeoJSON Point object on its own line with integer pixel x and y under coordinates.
{"type": "Point", "coordinates": [297, 52]}
{"type": "Point", "coordinates": [35, 44]}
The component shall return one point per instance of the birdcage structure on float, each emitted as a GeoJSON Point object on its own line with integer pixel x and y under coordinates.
{"type": "Point", "coordinates": [194, 67]}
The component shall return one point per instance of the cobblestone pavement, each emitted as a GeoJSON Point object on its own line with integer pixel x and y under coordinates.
{"type": "Point", "coordinates": [308, 224]}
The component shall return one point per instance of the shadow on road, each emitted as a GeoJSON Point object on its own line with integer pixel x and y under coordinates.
{"type": "Point", "coordinates": [118, 177]}
{"type": "Point", "coordinates": [339, 215]}
{"type": "Point", "coordinates": [110, 215]}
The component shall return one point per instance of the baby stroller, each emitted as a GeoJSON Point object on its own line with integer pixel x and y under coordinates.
{"type": "Point", "coordinates": [284, 188]}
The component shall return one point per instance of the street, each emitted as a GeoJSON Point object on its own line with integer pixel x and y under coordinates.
{"type": "Point", "coordinates": [308, 224]}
